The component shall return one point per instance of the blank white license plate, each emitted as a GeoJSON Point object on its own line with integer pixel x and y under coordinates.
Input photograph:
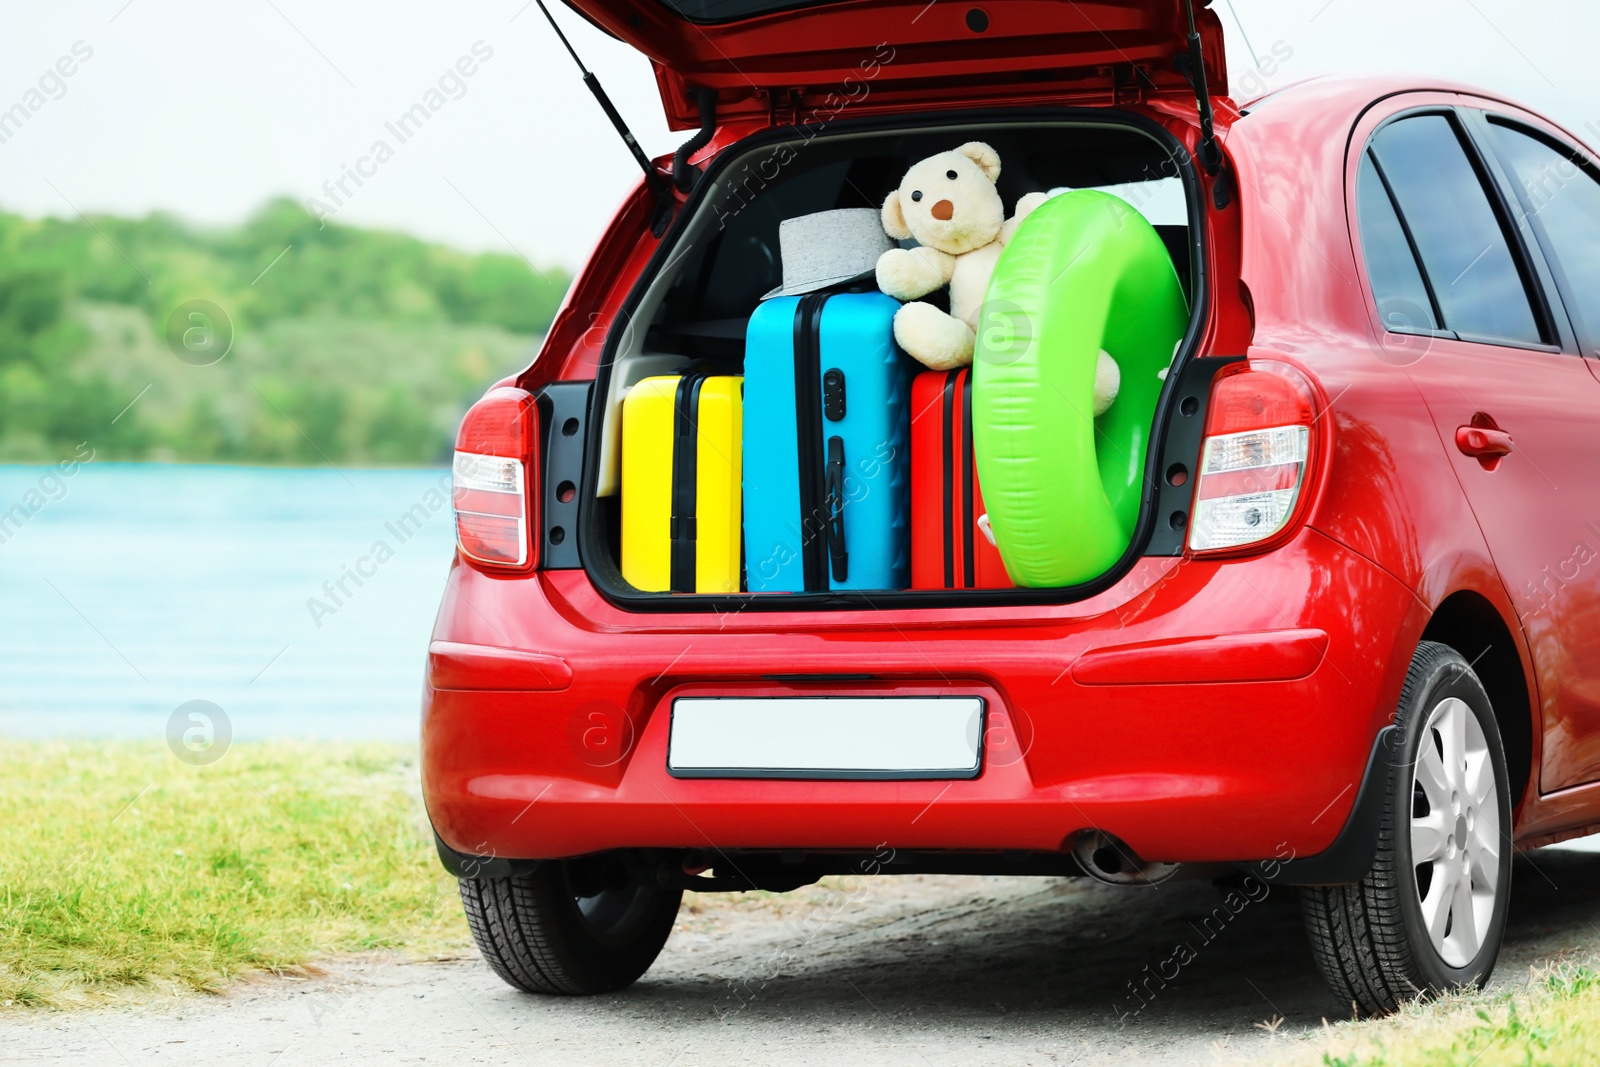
{"type": "Point", "coordinates": [826, 737]}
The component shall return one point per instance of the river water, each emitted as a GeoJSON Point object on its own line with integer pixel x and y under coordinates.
{"type": "Point", "coordinates": [129, 589]}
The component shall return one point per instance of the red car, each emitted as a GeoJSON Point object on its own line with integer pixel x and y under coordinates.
{"type": "Point", "coordinates": [1372, 671]}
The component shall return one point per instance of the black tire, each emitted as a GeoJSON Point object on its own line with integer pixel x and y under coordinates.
{"type": "Point", "coordinates": [572, 927]}
{"type": "Point", "coordinates": [1372, 940]}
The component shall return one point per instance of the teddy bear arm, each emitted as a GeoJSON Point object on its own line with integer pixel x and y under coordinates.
{"type": "Point", "coordinates": [910, 273]}
{"type": "Point", "coordinates": [1025, 207]}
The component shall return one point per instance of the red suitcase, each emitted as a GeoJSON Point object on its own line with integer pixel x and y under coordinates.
{"type": "Point", "coordinates": [948, 549]}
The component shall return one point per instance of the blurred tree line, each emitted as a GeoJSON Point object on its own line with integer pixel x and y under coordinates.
{"type": "Point", "coordinates": [348, 344]}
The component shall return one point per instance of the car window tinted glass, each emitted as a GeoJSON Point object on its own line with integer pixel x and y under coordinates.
{"type": "Point", "coordinates": [1397, 286]}
{"type": "Point", "coordinates": [1464, 250]}
{"type": "Point", "coordinates": [731, 10]}
{"type": "Point", "coordinates": [1564, 199]}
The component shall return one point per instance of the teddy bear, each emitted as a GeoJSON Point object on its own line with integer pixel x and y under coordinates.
{"type": "Point", "coordinates": [950, 205]}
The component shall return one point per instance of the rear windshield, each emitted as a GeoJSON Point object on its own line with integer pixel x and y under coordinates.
{"type": "Point", "coordinates": [733, 10]}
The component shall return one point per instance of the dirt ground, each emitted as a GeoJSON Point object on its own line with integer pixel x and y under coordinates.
{"type": "Point", "coordinates": [910, 970]}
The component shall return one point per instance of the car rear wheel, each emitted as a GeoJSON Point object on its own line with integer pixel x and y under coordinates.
{"type": "Point", "coordinates": [1430, 914]}
{"type": "Point", "coordinates": [572, 927]}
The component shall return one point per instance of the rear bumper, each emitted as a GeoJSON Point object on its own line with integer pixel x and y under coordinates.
{"type": "Point", "coordinates": [1204, 712]}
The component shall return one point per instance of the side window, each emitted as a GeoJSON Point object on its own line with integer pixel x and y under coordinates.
{"type": "Point", "coordinates": [1561, 194]}
{"type": "Point", "coordinates": [1478, 289]}
{"type": "Point", "coordinates": [1404, 302]}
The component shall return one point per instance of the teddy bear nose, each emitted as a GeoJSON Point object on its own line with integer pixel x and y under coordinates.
{"type": "Point", "coordinates": [944, 211]}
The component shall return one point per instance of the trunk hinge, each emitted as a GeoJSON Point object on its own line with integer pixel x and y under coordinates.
{"type": "Point", "coordinates": [1193, 66]}
{"type": "Point", "coordinates": [1127, 84]}
{"type": "Point", "coordinates": [786, 106]}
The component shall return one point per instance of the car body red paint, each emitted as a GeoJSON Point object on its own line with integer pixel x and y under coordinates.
{"type": "Point", "coordinates": [1204, 708]}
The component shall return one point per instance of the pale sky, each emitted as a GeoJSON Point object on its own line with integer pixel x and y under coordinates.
{"type": "Point", "coordinates": [206, 109]}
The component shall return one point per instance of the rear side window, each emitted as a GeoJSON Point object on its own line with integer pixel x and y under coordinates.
{"type": "Point", "coordinates": [1478, 289]}
{"type": "Point", "coordinates": [1561, 194]}
{"type": "Point", "coordinates": [1404, 303]}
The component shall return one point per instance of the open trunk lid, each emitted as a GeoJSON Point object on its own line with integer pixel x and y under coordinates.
{"type": "Point", "coordinates": [802, 61]}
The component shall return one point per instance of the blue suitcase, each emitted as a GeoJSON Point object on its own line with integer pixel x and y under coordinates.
{"type": "Point", "coordinates": [826, 452]}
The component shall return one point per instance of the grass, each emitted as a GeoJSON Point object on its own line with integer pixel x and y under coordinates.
{"type": "Point", "coordinates": [1553, 1018]}
{"type": "Point", "coordinates": [124, 870]}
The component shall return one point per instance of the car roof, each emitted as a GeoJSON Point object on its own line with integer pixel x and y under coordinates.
{"type": "Point", "coordinates": [1355, 92]}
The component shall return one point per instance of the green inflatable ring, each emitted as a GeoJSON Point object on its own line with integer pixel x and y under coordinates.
{"type": "Point", "coordinates": [1083, 272]}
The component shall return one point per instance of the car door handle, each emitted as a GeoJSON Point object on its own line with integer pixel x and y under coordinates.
{"type": "Point", "coordinates": [1484, 444]}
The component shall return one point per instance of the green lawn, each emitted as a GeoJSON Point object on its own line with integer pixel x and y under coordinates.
{"type": "Point", "coordinates": [1551, 1016]}
{"type": "Point", "coordinates": [123, 869]}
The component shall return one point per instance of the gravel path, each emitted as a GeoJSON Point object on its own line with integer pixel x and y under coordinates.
{"type": "Point", "coordinates": [913, 970]}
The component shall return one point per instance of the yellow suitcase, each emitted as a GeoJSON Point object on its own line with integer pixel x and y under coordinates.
{"type": "Point", "coordinates": [681, 504]}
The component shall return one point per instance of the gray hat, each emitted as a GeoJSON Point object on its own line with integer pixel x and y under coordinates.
{"type": "Point", "coordinates": [828, 248]}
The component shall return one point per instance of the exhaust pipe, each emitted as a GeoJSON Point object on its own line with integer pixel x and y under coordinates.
{"type": "Point", "coordinates": [1106, 859]}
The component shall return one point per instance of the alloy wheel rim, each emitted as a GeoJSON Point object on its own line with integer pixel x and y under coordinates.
{"type": "Point", "coordinates": [1455, 832]}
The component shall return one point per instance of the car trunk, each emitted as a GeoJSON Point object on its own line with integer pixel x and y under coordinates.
{"type": "Point", "coordinates": [692, 306]}
{"type": "Point", "coordinates": [846, 96]}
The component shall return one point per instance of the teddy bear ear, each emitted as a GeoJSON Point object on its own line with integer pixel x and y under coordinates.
{"type": "Point", "coordinates": [894, 220]}
{"type": "Point", "coordinates": [984, 156]}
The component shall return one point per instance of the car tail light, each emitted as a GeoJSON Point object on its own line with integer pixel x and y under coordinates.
{"type": "Point", "coordinates": [1256, 454]}
{"type": "Point", "coordinates": [494, 480]}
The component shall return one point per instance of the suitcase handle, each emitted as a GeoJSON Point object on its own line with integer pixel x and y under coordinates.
{"type": "Point", "coordinates": [835, 504]}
